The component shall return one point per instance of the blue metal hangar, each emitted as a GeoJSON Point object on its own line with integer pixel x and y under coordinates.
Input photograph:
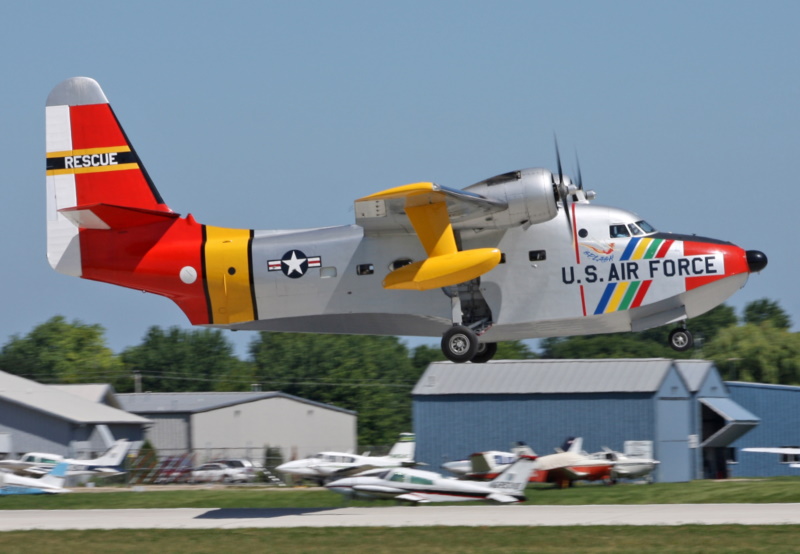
{"type": "Point", "coordinates": [692, 417]}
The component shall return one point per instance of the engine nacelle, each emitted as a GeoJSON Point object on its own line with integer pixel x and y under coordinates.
{"type": "Point", "coordinates": [530, 196]}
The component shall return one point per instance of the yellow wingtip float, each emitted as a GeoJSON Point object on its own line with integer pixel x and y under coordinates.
{"type": "Point", "coordinates": [443, 271]}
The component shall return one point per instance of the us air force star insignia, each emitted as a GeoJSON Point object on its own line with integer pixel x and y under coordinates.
{"type": "Point", "coordinates": [294, 263]}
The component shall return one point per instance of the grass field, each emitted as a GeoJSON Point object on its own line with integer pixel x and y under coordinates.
{"type": "Point", "coordinates": [617, 539]}
{"type": "Point", "coordinates": [778, 489]}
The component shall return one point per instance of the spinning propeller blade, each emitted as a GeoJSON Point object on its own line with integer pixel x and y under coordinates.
{"type": "Point", "coordinates": [563, 188]}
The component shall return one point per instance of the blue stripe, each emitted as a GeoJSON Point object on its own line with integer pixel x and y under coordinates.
{"type": "Point", "coordinates": [601, 307]}
{"type": "Point", "coordinates": [630, 248]}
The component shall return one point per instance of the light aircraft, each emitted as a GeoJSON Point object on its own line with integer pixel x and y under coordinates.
{"type": "Point", "coordinates": [419, 486]}
{"type": "Point", "coordinates": [330, 465]}
{"type": "Point", "coordinates": [50, 483]}
{"type": "Point", "coordinates": [626, 467]}
{"type": "Point", "coordinates": [788, 451]}
{"type": "Point", "coordinates": [516, 256]}
{"type": "Point", "coordinates": [38, 463]}
{"type": "Point", "coordinates": [569, 463]}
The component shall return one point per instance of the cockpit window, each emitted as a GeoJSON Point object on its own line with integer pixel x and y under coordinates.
{"type": "Point", "coordinates": [645, 226]}
{"type": "Point", "coordinates": [634, 229]}
{"type": "Point", "coordinates": [617, 231]}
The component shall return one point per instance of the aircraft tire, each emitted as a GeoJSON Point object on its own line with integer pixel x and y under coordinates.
{"type": "Point", "coordinates": [459, 344]}
{"type": "Point", "coordinates": [486, 351]}
{"type": "Point", "coordinates": [681, 340]}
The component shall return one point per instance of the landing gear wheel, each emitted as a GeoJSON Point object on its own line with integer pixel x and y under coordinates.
{"type": "Point", "coordinates": [459, 344]}
{"type": "Point", "coordinates": [681, 340]}
{"type": "Point", "coordinates": [486, 351]}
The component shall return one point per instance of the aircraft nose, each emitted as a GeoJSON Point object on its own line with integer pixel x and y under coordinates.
{"type": "Point", "coordinates": [756, 260]}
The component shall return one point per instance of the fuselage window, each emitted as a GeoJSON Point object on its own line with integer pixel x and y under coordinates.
{"type": "Point", "coordinates": [365, 269]}
{"type": "Point", "coordinates": [617, 231]}
{"type": "Point", "coordinates": [537, 255]}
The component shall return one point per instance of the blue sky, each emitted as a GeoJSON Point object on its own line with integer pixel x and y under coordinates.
{"type": "Point", "coordinates": [279, 114]}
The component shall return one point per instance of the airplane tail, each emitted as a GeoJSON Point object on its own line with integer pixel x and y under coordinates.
{"type": "Point", "coordinates": [510, 485]}
{"type": "Point", "coordinates": [107, 222]}
{"type": "Point", "coordinates": [95, 179]}
{"type": "Point", "coordinates": [113, 457]}
{"type": "Point", "coordinates": [404, 448]}
{"type": "Point", "coordinates": [55, 478]}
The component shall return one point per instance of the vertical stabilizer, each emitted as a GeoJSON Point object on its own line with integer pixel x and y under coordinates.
{"type": "Point", "coordinates": [404, 448]}
{"type": "Point", "coordinates": [90, 161]}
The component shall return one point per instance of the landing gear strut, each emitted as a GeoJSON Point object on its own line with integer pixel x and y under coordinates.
{"type": "Point", "coordinates": [680, 339]}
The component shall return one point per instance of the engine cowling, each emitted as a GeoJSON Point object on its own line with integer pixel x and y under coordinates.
{"type": "Point", "coordinates": [529, 194]}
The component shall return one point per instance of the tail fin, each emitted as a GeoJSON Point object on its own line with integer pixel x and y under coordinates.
{"type": "Point", "coordinates": [113, 456]}
{"type": "Point", "coordinates": [55, 479]}
{"type": "Point", "coordinates": [90, 162]}
{"type": "Point", "coordinates": [404, 448]}
{"type": "Point", "coordinates": [510, 485]}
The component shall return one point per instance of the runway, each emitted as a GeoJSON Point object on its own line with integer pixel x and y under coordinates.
{"type": "Point", "coordinates": [402, 516]}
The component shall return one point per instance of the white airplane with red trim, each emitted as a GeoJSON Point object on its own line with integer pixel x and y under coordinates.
{"type": "Point", "coordinates": [525, 254]}
{"type": "Point", "coordinates": [419, 486]}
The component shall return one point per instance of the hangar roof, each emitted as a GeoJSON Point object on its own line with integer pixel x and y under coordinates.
{"type": "Point", "coordinates": [57, 402]}
{"type": "Point", "coordinates": [544, 376]}
{"type": "Point", "coordinates": [694, 372]}
{"type": "Point", "coordinates": [194, 402]}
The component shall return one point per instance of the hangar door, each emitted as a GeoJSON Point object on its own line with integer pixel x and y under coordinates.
{"type": "Point", "coordinates": [672, 440]}
{"type": "Point", "coordinates": [723, 421]}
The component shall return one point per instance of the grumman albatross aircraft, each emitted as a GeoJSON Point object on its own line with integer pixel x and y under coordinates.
{"type": "Point", "coordinates": [520, 255]}
{"type": "Point", "coordinates": [419, 486]}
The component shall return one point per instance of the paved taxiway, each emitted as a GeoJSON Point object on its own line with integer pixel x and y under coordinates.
{"type": "Point", "coordinates": [401, 516]}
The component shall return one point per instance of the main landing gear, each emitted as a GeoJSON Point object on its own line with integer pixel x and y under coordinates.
{"type": "Point", "coordinates": [681, 339]}
{"type": "Point", "coordinates": [460, 344]}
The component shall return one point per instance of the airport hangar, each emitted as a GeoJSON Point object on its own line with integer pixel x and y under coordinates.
{"type": "Point", "coordinates": [78, 421]}
{"type": "Point", "coordinates": [697, 423]}
{"type": "Point", "coordinates": [241, 424]}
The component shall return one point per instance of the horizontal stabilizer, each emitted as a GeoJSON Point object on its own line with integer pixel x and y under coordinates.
{"type": "Point", "coordinates": [503, 498]}
{"type": "Point", "coordinates": [107, 216]}
{"type": "Point", "coordinates": [443, 271]}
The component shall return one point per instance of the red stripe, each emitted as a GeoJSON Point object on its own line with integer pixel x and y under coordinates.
{"type": "Point", "coordinates": [637, 301]}
{"type": "Point", "coordinates": [583, 302]}
{"type": "Point", "coordinates": [662, 251]}
{"type": "Point", "coordinates": [574, 239]}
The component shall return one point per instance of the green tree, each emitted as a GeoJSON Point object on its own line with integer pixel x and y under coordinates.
{"type": "Point", "coordinates": [371, 375]}
{"type": "Point", "coordinates": [60, 352]}
{"type": "Point", "coordinates": [761, 353]}
{"type": "Point", "coordinates": [176, 360]}
{"type": "Point", "coordinates": [759, 311]}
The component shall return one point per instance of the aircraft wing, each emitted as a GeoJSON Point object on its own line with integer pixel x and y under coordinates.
{"type": "Point", "coordinates": [785, 450]}
{"type": "Point", "coordinates": [429, 211]}
{"type": "Point", "coordinates": [378, 489]}
{"type": "Point", "coordinates": [411, 497]}
{"type": "Point", "coordinates": [385, 211]}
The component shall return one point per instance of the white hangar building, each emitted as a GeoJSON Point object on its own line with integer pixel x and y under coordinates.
{"type": "Point", "coordinates": [71, 420]}
{"type": "Point", "coordinates": [241, 424]}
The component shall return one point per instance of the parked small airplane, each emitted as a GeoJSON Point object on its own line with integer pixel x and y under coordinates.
{"type": "Point", "coordinates": [330, 465]}
{"type": "Point", "coordinates": [520, 255]}
{"type": "Point", "coordinates": [569, 463]}
{"type": "Point", "coordinates": [783, 450]}
{"type": "Point", "coordinates": [50, 483]}
{"type": "Point", "coordinates": [38, 463]}
{"type": "Point", "coordinates": [626, 467]}
{"type": "Point", "coordinates": [419, 486]}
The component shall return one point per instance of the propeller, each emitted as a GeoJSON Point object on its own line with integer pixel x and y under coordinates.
{"type": "Point", "coordinates": [578, 165]}
{"type": "Point", "coordinates": [563, 188]}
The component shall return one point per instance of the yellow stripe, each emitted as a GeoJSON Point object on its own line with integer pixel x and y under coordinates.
{"type": "Point", "coordinates": [96, 169]}
{"type": "Point", "coordinates": [104, 150]}
{"type": "Point", "coordinates": [616, 298]}
{"type": "Point", "coordinates": [641, 248]}
{"type": "Point", "coordinates": [227, 270]}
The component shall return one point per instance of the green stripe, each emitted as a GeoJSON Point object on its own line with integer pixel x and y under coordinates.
{"type": "Point", "coordinates": [653, 248]}
{"type": "Point", "coordinates": [630, 294]}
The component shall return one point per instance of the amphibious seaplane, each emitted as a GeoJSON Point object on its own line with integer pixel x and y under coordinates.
{"type": "Point", "coordinates": [520, 255]}
{"type": "Point", "coordinates": [418, 486]}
